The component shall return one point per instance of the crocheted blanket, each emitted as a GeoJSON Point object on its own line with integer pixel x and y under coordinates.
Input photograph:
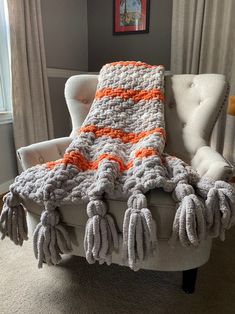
{"type": "Point", "coordinates": [118, 152]}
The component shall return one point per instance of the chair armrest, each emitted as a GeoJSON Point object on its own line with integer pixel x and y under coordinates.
{"type": "Point", "coordinates": [42, 152]}
{"type": "Point", "coordinates": [210, 163]}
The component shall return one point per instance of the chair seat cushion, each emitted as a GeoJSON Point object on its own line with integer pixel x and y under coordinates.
{"type": "Point", "coordinates": [160, 204]}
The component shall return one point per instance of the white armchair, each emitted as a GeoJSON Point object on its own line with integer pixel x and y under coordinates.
{"type": "Point", "coordinates": [193, 104]}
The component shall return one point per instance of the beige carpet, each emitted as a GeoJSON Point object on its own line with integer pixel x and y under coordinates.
{"type": "Point", "coordinates": [76, 287]}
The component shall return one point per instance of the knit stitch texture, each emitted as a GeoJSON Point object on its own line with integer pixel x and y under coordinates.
{"type": "Point", "coordinates": [118, 152]}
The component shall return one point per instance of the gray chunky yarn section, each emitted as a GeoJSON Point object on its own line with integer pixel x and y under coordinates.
{"type": "Point", "coordinates": [204, 207]}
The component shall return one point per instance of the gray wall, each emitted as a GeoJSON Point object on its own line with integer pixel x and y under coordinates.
{"type": "Point", "coordinates": [103, 46]}
{"type": "Point", "coordinates": [66, 45]}
{"type": "Point", "coordinates": [65, 33]}
{"type": "Point", "coordinates": [8, 168]}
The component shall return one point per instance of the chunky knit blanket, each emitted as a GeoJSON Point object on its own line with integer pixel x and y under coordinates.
{"type": "Point", "coordinates": [118, 152]}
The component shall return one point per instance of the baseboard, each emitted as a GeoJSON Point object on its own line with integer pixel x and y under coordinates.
{"type": "Point", "coordinates": [4, 187]}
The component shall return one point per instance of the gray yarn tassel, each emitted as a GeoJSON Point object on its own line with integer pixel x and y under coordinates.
{"type": "Point", "coordinates": [101, 236]}
{"type": "Point", "coordinates": [50, 238]}
{"type": "Point", "coordinates": [139, 232]}
{"type": "Point", "coordinates": [218, 211]}
{"type": "Point", "coordinates": [189, 226]}
{"type": "Point", "coordinates": [13, 219]}
{"type": "Point", "coordinates": [220, 205]}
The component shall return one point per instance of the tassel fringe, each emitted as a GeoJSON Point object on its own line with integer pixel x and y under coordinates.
{"type": "Point", "coordinates": [194, 221]}
{"type": "Point", "coordinates": [139, 232]}
{"type": "Point", "coordinates": [189, 226]}
{"type": "Point", "coordinates": [220, 206]}
{"type": "Point", "coordinates": [13, 219]}
{"type": "Point", "coordinates": [50, 239]}
{"type": "Point", "coordinates": [101, 236]}
{"type": "Point", "coordinates": [209, 214]}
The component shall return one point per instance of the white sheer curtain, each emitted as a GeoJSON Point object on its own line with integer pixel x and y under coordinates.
{"type": "Point", "coordinates": [5, 72]}
{"type": "Point", "coordinates": [187, 24]}
{"type": "Point", "coordinates": [203, 41]}
{"type": "Point", "coordinates": [31, 102]}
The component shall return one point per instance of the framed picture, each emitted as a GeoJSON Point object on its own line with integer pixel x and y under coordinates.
{"type": "Point", "coordinates": [130, 16]}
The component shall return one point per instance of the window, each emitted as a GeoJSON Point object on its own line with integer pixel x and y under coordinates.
{"type": "Point", "coordinates": [5, 70]}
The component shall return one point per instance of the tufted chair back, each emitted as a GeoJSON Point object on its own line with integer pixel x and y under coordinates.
{"type": "Point", "coordinates": [192, 107]}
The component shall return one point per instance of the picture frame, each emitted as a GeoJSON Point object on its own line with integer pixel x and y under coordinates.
{"type": "Point", "coordinates": [130, 16]}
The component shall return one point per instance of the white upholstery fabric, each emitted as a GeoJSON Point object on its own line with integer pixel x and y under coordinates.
{"type": "Point", "coordinates": [211, 164]}
{"type": "Point", "coordinates": [193, 104]}
{"type": "Point", "coordinates": [42, 152]}
{"type": "Point", "coordinates": [79, 94]}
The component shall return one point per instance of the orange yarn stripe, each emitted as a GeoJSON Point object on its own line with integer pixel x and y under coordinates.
{"type": "Point", "coordinates": [78, 160]}
{"type": "Point", "coordinates": [123, 136]}
{"type": "Point", "coordinates": [136, 95]}
{"type": "Point", "coordinates": [135, 63]}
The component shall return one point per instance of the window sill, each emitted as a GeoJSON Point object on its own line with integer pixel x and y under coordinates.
{"type": "Point", "coordinates": [6, 117]}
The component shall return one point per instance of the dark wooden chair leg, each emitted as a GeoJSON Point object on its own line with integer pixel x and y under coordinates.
{"type": "Point", "coordinates": [189, 280]}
